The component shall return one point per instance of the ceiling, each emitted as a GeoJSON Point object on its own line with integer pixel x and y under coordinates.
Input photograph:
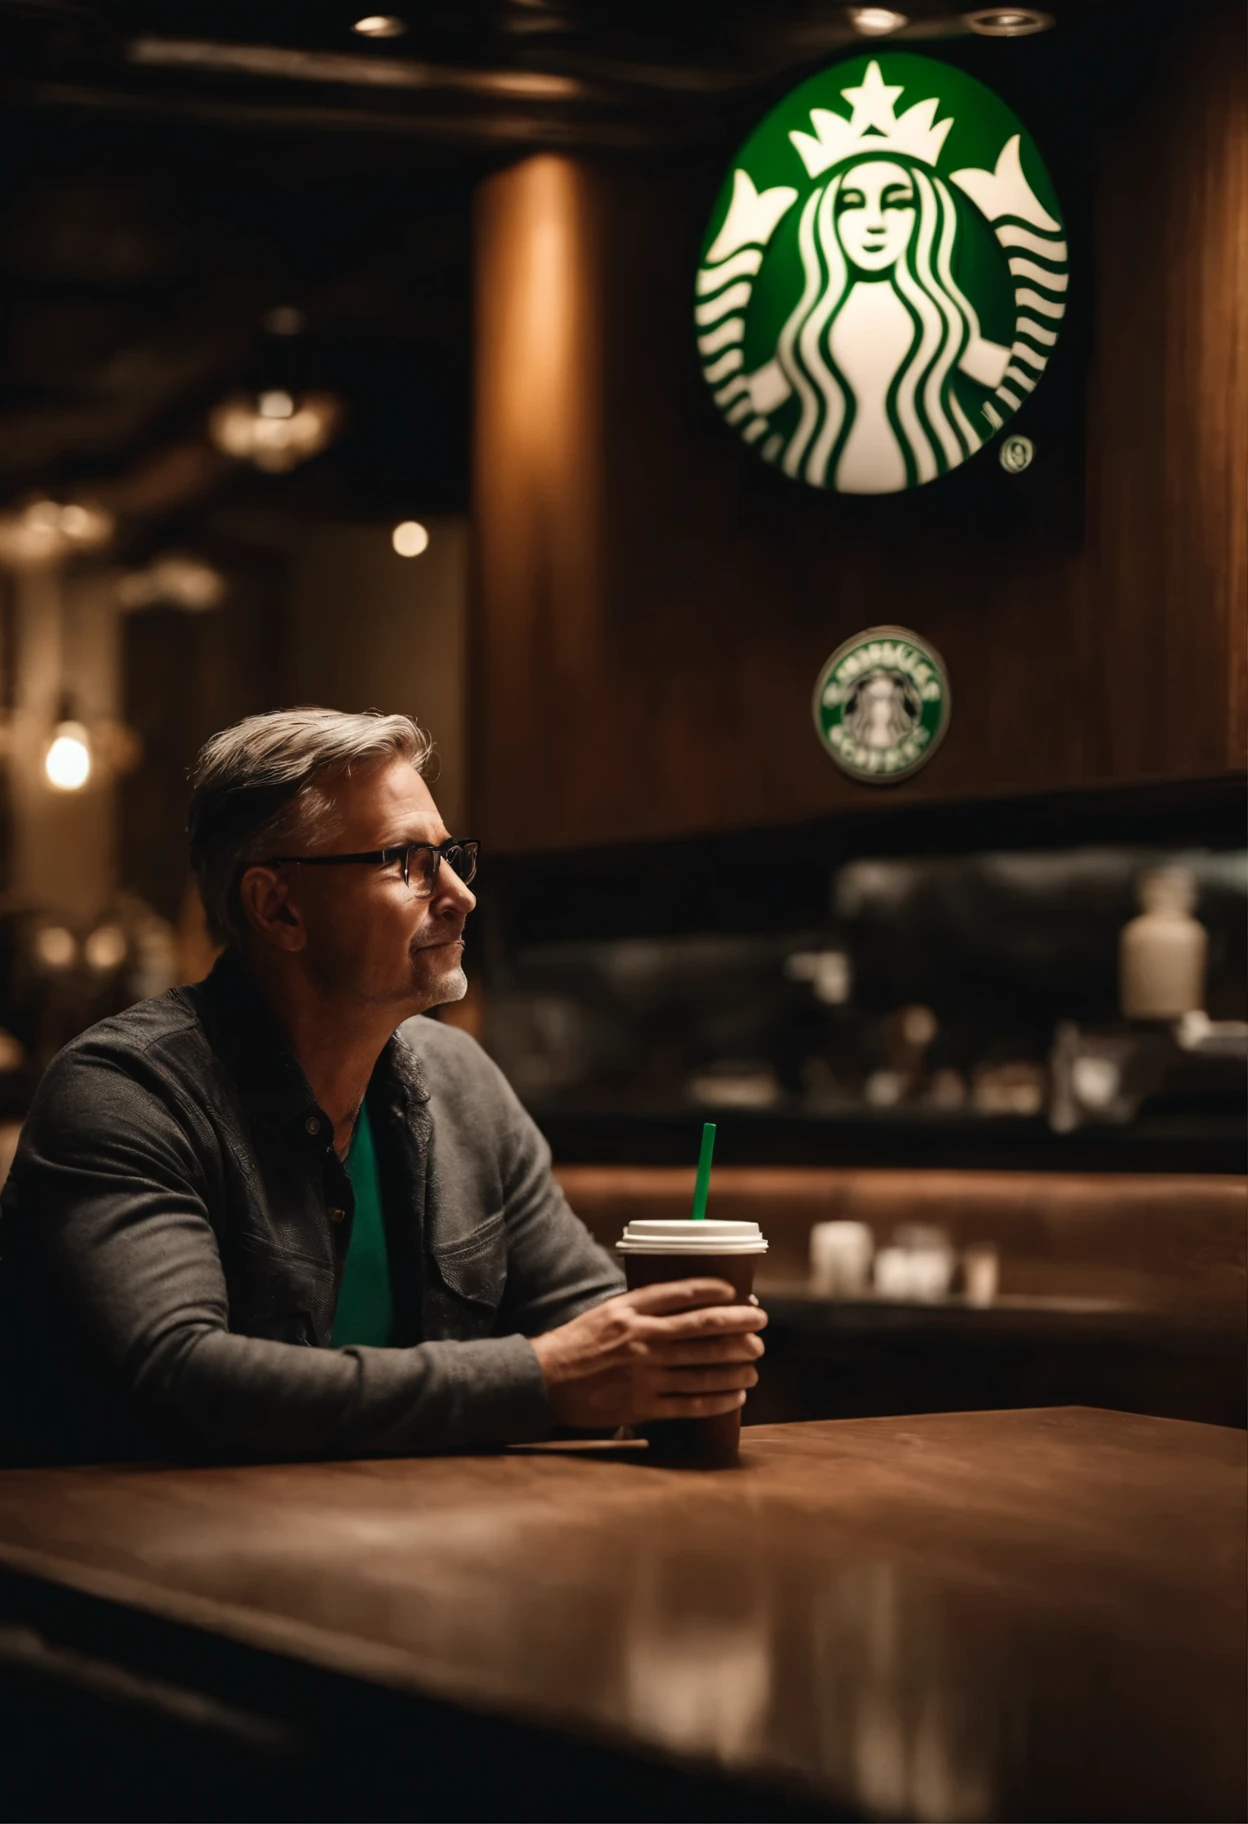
{"type": "Point", "coordinates": [178, 170]}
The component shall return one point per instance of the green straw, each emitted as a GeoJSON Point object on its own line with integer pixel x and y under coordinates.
{"type": "Point", "coordinates": [703, 1184]}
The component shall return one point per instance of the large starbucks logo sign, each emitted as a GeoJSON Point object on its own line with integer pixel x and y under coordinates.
{"type": "Point", "coordinates": [884, 276]}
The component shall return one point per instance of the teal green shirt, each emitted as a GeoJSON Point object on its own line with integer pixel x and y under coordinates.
{"type": "Point", "coordinates": [365, 1304]}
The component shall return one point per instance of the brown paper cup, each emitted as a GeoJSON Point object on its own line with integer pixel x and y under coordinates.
{"type": "Point", "coordinates": [694, 1443]}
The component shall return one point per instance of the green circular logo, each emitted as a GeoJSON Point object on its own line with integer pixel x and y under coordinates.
{"type": "Point", "coordinates": [884, 276]}
{"type": "Point", "coordinates": [882, 704]}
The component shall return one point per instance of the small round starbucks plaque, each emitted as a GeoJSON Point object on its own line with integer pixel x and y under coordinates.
{"type": "Point", "coordinates": [882, 704]}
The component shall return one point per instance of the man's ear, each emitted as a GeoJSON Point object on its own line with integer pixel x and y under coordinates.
{"type": "Point", "coordinates": [266, 903]}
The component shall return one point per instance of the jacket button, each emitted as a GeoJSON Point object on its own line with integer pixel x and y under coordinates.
{"type": "Point", "coordinates": [336, 1215]}
{"type": "Point", "coordinates": [312, 1125]}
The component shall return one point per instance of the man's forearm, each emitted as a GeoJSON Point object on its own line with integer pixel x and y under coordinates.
{"type": "Point", "coordinates": [208, 1393]}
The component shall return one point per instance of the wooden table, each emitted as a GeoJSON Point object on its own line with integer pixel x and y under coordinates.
{"type": "Point", "coordinates": [1033, 1614]}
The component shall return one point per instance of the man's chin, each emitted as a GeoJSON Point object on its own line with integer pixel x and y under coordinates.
{"type": "Point", "coordinates": [454, 987]}
{"type": "Point", "coordinates": [438, 989]}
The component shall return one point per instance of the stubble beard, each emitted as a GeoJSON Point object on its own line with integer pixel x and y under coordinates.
{"type": "Point", "coordinates": [454, 987]}
{"type": "Point", "coordinates": [451, 985]}
{"type": "Point", "coordinates": [424, 989]}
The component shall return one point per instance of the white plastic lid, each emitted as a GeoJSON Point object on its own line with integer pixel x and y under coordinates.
{"type": "Point", "coordinates": [689, 1237]}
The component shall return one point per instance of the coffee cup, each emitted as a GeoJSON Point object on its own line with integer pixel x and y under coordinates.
{"type": "Point", "coordinates": [655, 1252]}
{"type": "Point", "coordinates": [840, 1259]}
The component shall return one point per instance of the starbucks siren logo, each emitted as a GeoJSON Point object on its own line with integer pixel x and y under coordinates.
{"type": "Point", "coordinates": [882, 704]}
{"type": "Point", "coordinates": [884, 276]}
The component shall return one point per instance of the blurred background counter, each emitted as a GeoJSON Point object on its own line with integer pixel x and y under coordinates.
{"type": "Point", "coordinates": [960, 985]}
{"type": "Point", "coordinates": [1125, 1291]}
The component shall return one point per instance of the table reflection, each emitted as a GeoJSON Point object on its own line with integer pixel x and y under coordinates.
{"type": "Point", "coordinates": [733, 1650]}
{"type": "Point", "coordinates": [698, 1653]}
{"type": "Point", "coordinates": [901, 1702]}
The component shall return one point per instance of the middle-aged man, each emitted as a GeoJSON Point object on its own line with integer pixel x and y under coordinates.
{"type": "Point", "coordinates": [252, 1219]}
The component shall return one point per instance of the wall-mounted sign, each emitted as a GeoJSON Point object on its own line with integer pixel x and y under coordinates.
{"type": "Point", "coordinates": [882, 704]}
{"type": "Point", "coordinates": [883, 278]}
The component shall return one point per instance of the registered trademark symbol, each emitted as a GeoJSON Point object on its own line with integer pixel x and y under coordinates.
{"type": "Point", "coordinates": [1017, 454]}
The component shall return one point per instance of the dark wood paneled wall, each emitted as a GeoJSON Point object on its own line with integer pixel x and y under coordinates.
{"type": "Point", "coordinates": [1168, 420]}
{"type": "Point", "coordinates": [653, 605]}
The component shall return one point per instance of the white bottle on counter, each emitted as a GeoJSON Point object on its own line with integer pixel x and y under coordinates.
{"type": "Point", "coordinates": [1161, 954]}
{"type": "Point", "coordinates": [840, 1259]}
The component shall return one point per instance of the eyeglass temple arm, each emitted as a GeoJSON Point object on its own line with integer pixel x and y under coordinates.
{"type": "Point", "coordinates": [391, 854]}
{"type": "Point", "coordinates": [325, 861]}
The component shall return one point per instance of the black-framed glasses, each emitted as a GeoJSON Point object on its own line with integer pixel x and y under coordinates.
{"type": "Point", "coordinates": [418, 861]}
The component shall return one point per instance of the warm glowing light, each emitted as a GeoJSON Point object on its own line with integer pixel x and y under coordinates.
{"type": "Point", "coordinates": [105, 949]}
{"type": "Point", "coordinates": [875, 21]}
{"type": "Point", "coordinates": [55, 947]}
{"type": "Point", "coordinates": [67, 762]}
{"type": "Point", "coordinates": [274, 431]}
{"type": "Point", "coordinates": [47, 532]}
{"type": "Point", "coordinates": [175, 580]}
{"type": "Point", "coordinates": [410, 538]}
{"type": "Point", "coordinates": [918, 1026]}
{"type": "Point", "coordinates": [1007, 21]}
{"type": "Point", "coordinates": [380, 25]}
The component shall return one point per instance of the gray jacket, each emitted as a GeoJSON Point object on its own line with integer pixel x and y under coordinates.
{"type": "Point", "coordinates": [173, 1232]}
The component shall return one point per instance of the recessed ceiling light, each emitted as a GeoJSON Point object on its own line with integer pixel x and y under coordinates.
{"type": "Point", "coordinates": [1007, 21]}
{"type": "Point", "coordinates": [410, 538]}
{"type": "Point", "coordinates": [875, 21]}
{"type": "Point", "coordinates": [380, 25]}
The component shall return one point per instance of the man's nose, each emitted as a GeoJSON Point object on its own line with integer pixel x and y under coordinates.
{"type": "Point", "coordinates": [451, 893]}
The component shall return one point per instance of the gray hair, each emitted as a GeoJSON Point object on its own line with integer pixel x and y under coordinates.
{"type": "Point", "coordinates": [259, 783]}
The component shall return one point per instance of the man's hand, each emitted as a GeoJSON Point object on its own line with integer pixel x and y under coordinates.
{"type": "Point", "coordinates": [681, 1350]}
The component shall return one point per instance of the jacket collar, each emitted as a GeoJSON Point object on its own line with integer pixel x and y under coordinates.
{"type": "Point", "coordinates": [248, 1038]}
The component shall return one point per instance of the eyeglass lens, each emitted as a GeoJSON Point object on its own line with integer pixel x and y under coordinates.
{"type": "Point", "coordinates": [422, 865]}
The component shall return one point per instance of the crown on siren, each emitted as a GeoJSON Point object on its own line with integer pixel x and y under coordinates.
{"type": "Point", "coordinates": [874, 126]}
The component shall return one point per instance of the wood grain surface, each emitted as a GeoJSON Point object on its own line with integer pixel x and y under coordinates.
{"type": "Point", "coordinates": [998, 1615]}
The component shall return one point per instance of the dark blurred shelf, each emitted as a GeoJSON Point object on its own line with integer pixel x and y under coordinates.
{"type": "Point", "coordinates": [779, 1137]}
{"type": "Point", "coordinates": [833, 1358]}
{"type": "Point", "coordinates": [695, 883]}
{"type": "Point", "coordinates": [1014, 1318]}
{"type": "Point", "coordinates": [870, 1308]}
